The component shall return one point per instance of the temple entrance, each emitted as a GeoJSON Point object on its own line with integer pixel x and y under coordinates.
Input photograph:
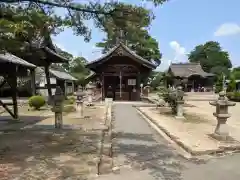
{"type": "Point", "coordinates": [121, 72]}
{"type": "Point", "coordinates": [120, 88]}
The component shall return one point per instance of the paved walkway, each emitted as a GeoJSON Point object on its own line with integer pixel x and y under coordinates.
{"type": "Point", "coordinates": [140, 153]}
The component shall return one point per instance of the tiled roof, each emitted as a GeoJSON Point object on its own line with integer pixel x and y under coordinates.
{"type": "Point", "coordinates": [62, 75]}
{"type": "Point", "coordinates": [188, 69]}
{"type": "Point", "coordinates": [10, 58]}
{"type": "Point", "coordinates": [55, 73]}
{"type": "Point", "coordinates": [129, 52]}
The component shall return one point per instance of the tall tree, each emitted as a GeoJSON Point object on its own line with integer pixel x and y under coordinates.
{"type": "Point", "coordinates": [27, 19]}
{"type": "Point", "coordinates": [236, 73]}
{"type": "Point", "coordinates": [135, 36]}
{"type": "Point", "coordinates": [211, 57]}
{"type": "Point", "coordinates": [78, 70]}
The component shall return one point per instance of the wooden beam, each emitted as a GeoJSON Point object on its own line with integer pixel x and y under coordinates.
{"type": "Point", "coordinates": [12, 81]}
{"type": "Point", "coordinates": [7, 109]}
{"type": "Point", "coordinates": [47, 74]}
{"type": "Point", "coordinates": [33, 81]}
{"type": "Point", "coordinates": [3, 83]}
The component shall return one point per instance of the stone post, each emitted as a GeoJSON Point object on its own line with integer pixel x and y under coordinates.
{"type": "Point", "coordinates": [58, 107]}
{"type": "Point", "coordinates": [179, 102]}
{"type": "Point", "coordinates": [90, 88]}
{"type": "Point", "coordinates": [80, 103]}
{"type": "Point", "coordinates": [222, 104]}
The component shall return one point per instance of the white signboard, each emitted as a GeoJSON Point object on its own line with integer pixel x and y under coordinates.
{"type": "Point", "coordinates": [132, 82]}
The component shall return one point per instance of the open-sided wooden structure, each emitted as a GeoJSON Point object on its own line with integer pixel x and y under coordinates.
{"type": "Point", "coordinates": [12, 67]}
{"type": "Point", "coordinates": [120, 72]}
{"type": "Point", "coordinates": [43, 54]}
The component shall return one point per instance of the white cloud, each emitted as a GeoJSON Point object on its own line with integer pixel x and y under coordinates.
{"type": "Point", "coordinates": [165, 63]}
{"type": "Point", "coordinates": [227, 29]}
{"type": "Point", "coordinates": [179, 52]}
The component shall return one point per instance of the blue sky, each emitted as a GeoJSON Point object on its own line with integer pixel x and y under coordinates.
{"type": "Point", "coordinates": [179, 26]}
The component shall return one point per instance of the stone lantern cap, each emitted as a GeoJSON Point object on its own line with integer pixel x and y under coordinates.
{"type": "Point", "coordinates": [222, 100]}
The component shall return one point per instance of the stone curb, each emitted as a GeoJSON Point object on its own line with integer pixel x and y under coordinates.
{"type": "Point", "coordinates": [104, 160]}
{"type": "Point", "coordinates": [235, 148]}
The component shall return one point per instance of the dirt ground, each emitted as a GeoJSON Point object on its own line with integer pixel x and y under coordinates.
{"type": "Point", "coordinates": [39, 152]}
{"type": "Point", "coordinates": [193, 132]}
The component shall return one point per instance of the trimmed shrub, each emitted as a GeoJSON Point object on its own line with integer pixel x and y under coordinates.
{"type": "Point", "coordinates": [234, 96]}
{"type": "Point", "coordinates": [69, 108]}
{"type": "Point", "coordinates": [70, 100]}
{"type": "Point", "coordinates": [36, 102]}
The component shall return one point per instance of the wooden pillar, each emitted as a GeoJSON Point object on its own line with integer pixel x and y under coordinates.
{"type": "Point", "coordinates": [12, 81]}
{"type": "Point", "coordinates": [47, 74]}
{"type": "Point", "coordinates": [138, 79]}
{"type": "Point", "coordinates": [65, 88]}
{"type": "Point", "coordinates": [103, 88]}
{"type": "Point", "coordinates": [73, 87]}
{"type": "Point", "coordinates": [33, 81]}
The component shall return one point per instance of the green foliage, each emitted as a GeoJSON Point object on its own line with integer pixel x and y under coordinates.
{"type": "Point", "coordinates": [211, 57]}
{"type": "Point", "coordinates": [234, 96]}
{"type": "Point", "coordinates": [36, 102]}
{"type": "Point", "coordinates": [219, 84]}
{"type": "Point", "coordinates": [236, 73]}
{"type": "Point", "coordinates": [170, 97]}
{"type": "Point", "coordinates": [156, 80]}
{"type": "Point", "coordinates": [69, 109]}
{"type": "Point", "coordinates": [70, 100]}
{"type": "Point", "coordinates": [30, 19]}
{"type": "Point", "coordinates": [232, 85]}
{"type": "Point", "coordinates": [133, 24]}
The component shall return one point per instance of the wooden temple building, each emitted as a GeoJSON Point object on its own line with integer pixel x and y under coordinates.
{"type": "Point", "coordinates": [190, 75]}
{"type": "Point", "coordinates": [120, 72]}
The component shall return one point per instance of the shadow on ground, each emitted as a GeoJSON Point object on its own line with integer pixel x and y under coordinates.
{"type": "Point", "coordinates": [144, 151]}
{"type": "Point", "coordinates": [47, 153]}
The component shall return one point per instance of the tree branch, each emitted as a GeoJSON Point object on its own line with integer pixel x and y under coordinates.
{"type": "Point", "coordinates": [72, 7]}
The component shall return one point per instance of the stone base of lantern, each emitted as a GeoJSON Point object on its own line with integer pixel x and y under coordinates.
{"type": "Point", "coordinates": [180, 117]}
{"type": "Point", "coordinates": [221, 133]}
{"type": "Point", "coordinates": [222, 138]}
{"type": "Point", "coordinates": [79, 109]}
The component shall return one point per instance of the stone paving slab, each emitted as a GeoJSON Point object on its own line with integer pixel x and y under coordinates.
{"type": "Point", "coordinates": [192, 136]}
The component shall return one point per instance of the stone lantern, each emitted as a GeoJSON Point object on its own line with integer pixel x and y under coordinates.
{"type": "Point", "coordinates": [179, 102]}
{"type": "Point", "coordinates": [222, 104]}
{"type": "Point", "coordinates": [79, 102]}
{"type": "Point", "coordinates": [58, 107]}
{"type": "Point", "coordinates": [90, 91]}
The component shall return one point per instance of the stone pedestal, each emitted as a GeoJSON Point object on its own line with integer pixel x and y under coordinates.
{"type": "Point", "coordinates": [58, 120]}
{"type": "Point", "coordinates": [221, 129]}
{"type": "Point", "coordinates": [80, 108]}
{"type": "Point", "coordinates": [180, 110]}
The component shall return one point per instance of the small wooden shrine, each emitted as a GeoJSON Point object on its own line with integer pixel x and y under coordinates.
{"type": "Point", "coordinates": [121, 71]}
